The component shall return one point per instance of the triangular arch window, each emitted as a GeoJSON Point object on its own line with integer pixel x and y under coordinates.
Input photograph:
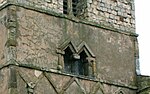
{"type": "Point", "coordinates": [77, 60]}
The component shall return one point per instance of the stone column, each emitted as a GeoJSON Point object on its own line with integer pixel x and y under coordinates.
{"type": "Point", "coordinates": [92, 66]}
{"type": "Point", "coordinates": [60, 59]}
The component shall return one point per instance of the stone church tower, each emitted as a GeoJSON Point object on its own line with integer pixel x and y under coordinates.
{"type": "Point", "coordinates": [68, 47]}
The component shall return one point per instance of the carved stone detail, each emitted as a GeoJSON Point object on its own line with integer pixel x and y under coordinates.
{"type": "Point", "coordinates": [76, 50]}
{"type": "Point", "coordinates": [12, 26]}
{"type": "Point", "coordinates": [30, 87]}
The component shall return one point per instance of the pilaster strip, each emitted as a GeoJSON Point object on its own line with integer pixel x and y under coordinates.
{"type": "Point", "coordinates": [11, 25]}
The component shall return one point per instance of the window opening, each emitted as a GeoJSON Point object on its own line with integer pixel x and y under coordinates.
{"type": "Point", "coordinates": [78, 66]}
{"type": "Point", "coordinates": [74, 7]}
{"type": "Point", "coordinates": [83, 64]}
{"type": "Point", "coordinates": [71, 62]}
{"type": "Point", "coordinates": [65, 6]}
{"type": "Point", "coordinates": [68, 60]}
{"type": "Point", "coordinates": [79, 61]}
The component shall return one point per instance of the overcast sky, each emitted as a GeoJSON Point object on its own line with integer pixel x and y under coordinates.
{"type": "Point", "coordinates": [142, 12]}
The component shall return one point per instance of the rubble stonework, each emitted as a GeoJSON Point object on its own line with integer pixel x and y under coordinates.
{"type": "Point", "coordinates": [144, 84]}
{"type": "Point", "coordinates": [115, 13]}
{"type": "Point", "coordinates": [2, 1]}
{"type": "Point", "coordinates": [32, 55]}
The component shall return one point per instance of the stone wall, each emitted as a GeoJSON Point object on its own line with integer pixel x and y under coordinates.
{"type": "Point", "coordinates": [30, 80]}
{"type": "Point", "coordinates": [2, 2]}
{"type": "Point", "coordinates": [39, 38]}
{"type": "Point", "coordinates": [53, 5]}
{"type": "Point", "coordinates": [3, 34]}
{"type": "Point", "coordinates": [4, 80]}
{"type": "Point", "coordinates": [35, 31]}
{"type": "Point", "coordinates": [3, 38]}
{"type": "Point", "coordinates": [143, 84]}
{"type": "Point", "coordinates": [115, 13]}
{"type": "Point", "coordinates": [40, 35]}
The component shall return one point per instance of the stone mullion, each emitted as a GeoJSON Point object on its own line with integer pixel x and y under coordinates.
{"type": "Point", "coordinates": [70, 7]}
{"type": "Point", "coordinates": [94, 68]}
{"type": "Point", "coordinates": [60, 62]}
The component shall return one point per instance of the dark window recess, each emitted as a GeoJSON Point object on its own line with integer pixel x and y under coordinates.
{"type": "Point", "coordinates": [65, 6]}
{"type": "Point", "coordinates": [77, 66]}
{"type": "Point", "coordinates": [68, 60]}
{"type": "Point", "coordinates": [74, 7]}
{"type": "Point", "coordinates": [71, 63]}
{"type": "Point", "coordinates": [83, 64]}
